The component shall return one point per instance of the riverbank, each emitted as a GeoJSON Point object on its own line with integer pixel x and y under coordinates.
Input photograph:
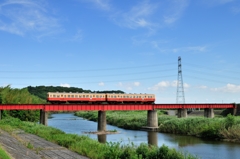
{"type": "Point", "coordinates": [91, 148]}
{"type": "Point", "coordinates": [218, 128]}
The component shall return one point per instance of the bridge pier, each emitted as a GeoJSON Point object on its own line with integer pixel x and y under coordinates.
{"type": "Point", "coordinates": [182, 113]}
{"type": "Point", "coordinates": [208, 113]}
{"type": "Point", "coordinates": [102, 122]}
{"type": "Point", "coordinates": [43, 117]}
{"type": "Point", "coordinates": [152, 120]}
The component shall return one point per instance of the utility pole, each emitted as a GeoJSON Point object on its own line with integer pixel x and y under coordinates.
{"type": "Point", "coordinates": [180, 90]}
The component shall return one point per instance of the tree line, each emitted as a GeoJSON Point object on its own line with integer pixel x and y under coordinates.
{"type": "Point", "coordinates": [41, 91]}
{"type": "Point", "coordinates": [34, 95]}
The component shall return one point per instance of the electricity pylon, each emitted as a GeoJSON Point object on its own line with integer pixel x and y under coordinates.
{"type": "Point", "coordinates": [180, 90]}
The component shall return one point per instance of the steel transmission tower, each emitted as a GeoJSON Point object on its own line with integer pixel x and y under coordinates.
{"type": "Point", "coordinates": [180, 90]}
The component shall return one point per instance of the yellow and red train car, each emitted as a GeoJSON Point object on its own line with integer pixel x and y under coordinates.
{"type": "Point", "coordinates": [100, 98]}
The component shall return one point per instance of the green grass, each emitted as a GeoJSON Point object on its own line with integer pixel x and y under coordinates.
{"type": "Point", "coordinates": [3, 154]}
{"type": "Point", "coordinates": [224, 128]}
{"type": "Point", "coordinates": [92, 148]}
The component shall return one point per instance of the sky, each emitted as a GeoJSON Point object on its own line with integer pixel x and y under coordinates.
{"type": "Point", "coordinates": [125, 45]}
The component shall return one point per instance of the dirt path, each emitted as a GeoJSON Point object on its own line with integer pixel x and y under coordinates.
{"type": "Point", "coordinates": [21, 145]}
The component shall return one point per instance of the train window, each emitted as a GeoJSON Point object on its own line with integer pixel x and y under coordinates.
{"type": "Point", "coordinates": [114, 96]}
{"type": "Point", "coordinates": [100, 96]}
{"type": "Point", "coordinates": [83, 96]}
{"type": "Point", "coordinates": [87, 96]}
{"type": "Point", "coordinates": [127, 97]}
{"type": "Point", "coordinates": [76, 96]}
{"type": "Point", "coordinates": [68, 96]}
{"type": "Point", "coordinates": [96, 96]}
{"type": "Point", "coordinates": [50, 95]}
{"type": "Point", "coordinates": [80, 96]}
{"type": "Point", "coordinates": [123, 96]}
{"type": "Point", "coordinates": [57, 95]}
{"type": "Point", "coordinates": [64, 95]}
{"type": "Point", "coordinates": [72, 96]}
{"type": "Point", "coordinates": [54, 96]}
{"type": "Point", "coordinates": [90, 96]}
{"type": "Point", "coordinates": [93, 96]}
{"type": "Point", "coordinates": [61, 95]}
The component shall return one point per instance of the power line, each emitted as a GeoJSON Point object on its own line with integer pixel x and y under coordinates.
{"type": "Point", "coordinates": [119, 80]}
{"type": "Point", "coordinates": [86, 70]}
{"type": "Point", "coordinates": [146, 72]}
{"type": "Point", "coordinates": [212, 74]}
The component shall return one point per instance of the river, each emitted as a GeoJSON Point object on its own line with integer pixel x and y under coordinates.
{"type": "Point", "coordinates": [205, 149]}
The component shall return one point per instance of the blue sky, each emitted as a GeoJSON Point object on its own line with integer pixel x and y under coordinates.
{"type": "Point", "coordinates": [124, 45]}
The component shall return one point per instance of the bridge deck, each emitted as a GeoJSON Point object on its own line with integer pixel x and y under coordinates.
{"type": "Point", "coordinates": [105, 107]}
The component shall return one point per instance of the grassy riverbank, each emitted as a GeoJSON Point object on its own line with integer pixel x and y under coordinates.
{"type": "Point", "coordinates": [92, 148]}
{"type": "Point", "coordinates": [222, 128]}
{"type": "Point", "coordinates": [3, 154]}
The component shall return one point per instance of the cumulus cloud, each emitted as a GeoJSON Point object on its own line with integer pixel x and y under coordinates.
{"type": "Point", "coordinates": [230, 88]}
{"type": "Point", "coordinates": [136, 84]}
{"type": "Point", "coordinates": [26, 16]}
{"type": "Point", "coordinates": [202, 87]}
{"type": "Point", "coordinates": [129, 85]}
{"type": "Point", "coordinates": [166, 84]}
{"type": "Point", "coordinates": [65, 85]}
{"type": "Point", "coordinates": [101, 84]}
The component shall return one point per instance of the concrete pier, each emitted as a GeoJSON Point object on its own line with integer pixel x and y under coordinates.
{"type": "Point", "coordinates": [182, 113]}
{"type": "Point", "coordinates": [208, 113]}
{"type": "Point", "coordinates": [102, 122]}
{"type": "Point", "coordinates": [43, 117]}
{"type": "Point", "coordinates": [152, 120]}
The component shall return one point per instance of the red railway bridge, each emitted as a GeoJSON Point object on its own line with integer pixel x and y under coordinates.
{"type": "Point", "coordinates": [152, 120]}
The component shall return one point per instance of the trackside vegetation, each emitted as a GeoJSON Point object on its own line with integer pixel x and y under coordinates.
{"type": "Point", "coordinates": [220, 128]}
{"type": "Point", "coordinates": [9, 95]}
{"type": "Point", "coordinates": [3, 154]}
{"type": "Point", "coordinates": [92, 148]}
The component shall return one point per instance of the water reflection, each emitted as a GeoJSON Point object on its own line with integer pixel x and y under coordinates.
{"type": "Point", "coordinates": [206, 149]}
{"type": "Point", "coordinates": [102, 138]}
{"type": "Point", "coordinates": [153, 138]}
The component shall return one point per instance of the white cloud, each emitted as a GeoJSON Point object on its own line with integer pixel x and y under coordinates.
{"type": "Point", "coordinates": [230, 88]}
{"type": "Point", "coordinates": [166, 84]}
{"type": "Point", "coordinates": [190, 49]}
{"type": "Point", "coordinates": [100, 4]}
{"type": "Point", "coordinates": [236, 9]}
{"type": "Point", "coordinates": [136, 84]}
{"type": "Point", "coordinates": [65, 85]}
{"type": "Point", "coordinates": [212, 2]}
{"type": "Point", "coordinates": [202, 87]}
{"type": "Point", "coordinates": [175, 10]}
{"type": "Point", "coordinates": [139, 16]}
{"type": "Point", "coordinates": [129, 85]}
{"type": "Point", "coordinates": [101, 84]}
{"type": "Point", "coordinates": [26, 16]}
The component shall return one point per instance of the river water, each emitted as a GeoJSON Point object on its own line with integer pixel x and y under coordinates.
{"type": "Point", "coordinates": [204, 149]}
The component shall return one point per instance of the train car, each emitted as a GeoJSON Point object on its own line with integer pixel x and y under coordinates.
{"type": "Point", "coordinates": [130, 98]}
{"type": "Point", "coordinates": [100, 98]}
{"type": "Point", "coordinates": [86, 98]}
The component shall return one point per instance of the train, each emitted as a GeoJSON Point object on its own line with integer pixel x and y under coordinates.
{"type": "Point", "coordinates": [99, 98]}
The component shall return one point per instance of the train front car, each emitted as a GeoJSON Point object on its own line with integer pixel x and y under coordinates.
{"type": "Point", "coordinates": [77, 98]}
{"type": "Point", "coordinates": [130, 98]}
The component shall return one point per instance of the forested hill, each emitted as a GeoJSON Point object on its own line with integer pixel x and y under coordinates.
{"type": "Point", "coordinates": [41, 91]}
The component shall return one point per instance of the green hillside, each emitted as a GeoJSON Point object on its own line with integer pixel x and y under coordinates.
{"type": "Point", "coordinates": [41, 91]}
